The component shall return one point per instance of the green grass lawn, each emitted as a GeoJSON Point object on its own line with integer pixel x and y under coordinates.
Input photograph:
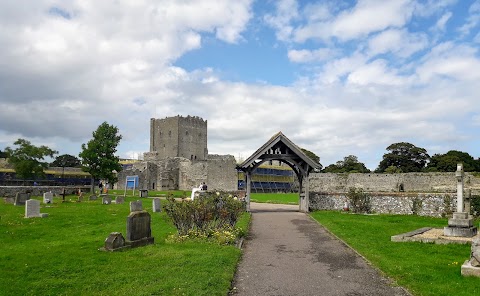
{"type": "Point", "coordinates": [279, 198]}
{"type": "Point", "coordinates": [59, 255]}
{"type": "Point", "coordinates": [424, 269]}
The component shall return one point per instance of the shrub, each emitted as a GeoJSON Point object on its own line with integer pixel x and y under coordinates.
{"type": "Point", "coordinates": [211, 215]}
{"type": "Point", "coordinates": [359, 200]}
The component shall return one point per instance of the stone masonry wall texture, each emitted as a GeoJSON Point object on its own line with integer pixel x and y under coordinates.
{"type": "Point", "coordinates": [426, 194]}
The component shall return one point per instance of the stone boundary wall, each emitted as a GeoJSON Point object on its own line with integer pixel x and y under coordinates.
{"type": "Point", "coordinates": [407, 182]}
{"type": "Point", "coordinates": [11, 191]}
{"type": "Point", "coordinates": [422, 204]}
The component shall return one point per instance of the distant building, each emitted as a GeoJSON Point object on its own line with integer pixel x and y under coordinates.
{"type": "Point", "coordinates": [178, 158]}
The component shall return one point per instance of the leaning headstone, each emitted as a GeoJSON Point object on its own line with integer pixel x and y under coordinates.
{"type": "Point", "coordinates": [48, 198]}
{"type": "Point", "coordinates": [119, 200]}
{"type": "Point", "coordinates": [106, 200]}
{"type": "Point", "coordinates": [92, 197]}
{"type": "Point", "coordinates": [114, 242]}
{"type": "Point", "coordinates": [156, 205]}
{"type": "Point", "coordinates": [32, 209]}
{"type": "Point", "coordinates": [472, 267]}
{"type": "Point", "coordinates": [139, 232]}
{"type": "Point", "coordinates": [136, 206]}
{"type": "Point", "coordinates": [21, 198]}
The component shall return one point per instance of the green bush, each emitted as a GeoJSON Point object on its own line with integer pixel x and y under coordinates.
{"type": "Point", "coordinates": [359, 200]}
{"type": "Point", "coordinates": [212, 215]}
{"type": "Point", "coordinates": [475, 205]}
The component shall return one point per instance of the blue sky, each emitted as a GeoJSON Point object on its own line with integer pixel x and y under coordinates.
{"type": "Point", "coordinates": [337, 77]}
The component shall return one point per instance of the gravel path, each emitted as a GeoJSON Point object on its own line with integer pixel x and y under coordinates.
{"type": "Point", "coordinates": [287, 253]}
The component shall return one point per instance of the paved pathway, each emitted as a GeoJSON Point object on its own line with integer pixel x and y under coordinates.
{"type": "Point", "coordinates": [287, 253]}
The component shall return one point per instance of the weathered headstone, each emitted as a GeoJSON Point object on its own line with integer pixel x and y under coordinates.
{"type": "Point", "coordinates": [48, 198]}
{"type": "Point", "coordinates": [472, 267]}
{"type": "Point", "coordinates": [92, 197]}
{"type": "Point", "coordinates": [136, 206]}
{"type": "Point", "coordinates": [143, 193]}
{"type": "Point", "coordinates": [21, 198]}
{"type": "Point", "coordinates": [115, 241]}
{"type": "Point", "coordinates": [32, 209]}
{"type": "Point", "coordinates": [9, 200]}
{"type": "Point", "coordinates": [156, 205]}
{"type": "Point", "coordinates": [106, 200]}
{"type": "Point", "coordinates": [139, 232]}
{"type": "Point", "coordinates": [461, 224]}
{"type": "Point", "coordinates": [119, 200]}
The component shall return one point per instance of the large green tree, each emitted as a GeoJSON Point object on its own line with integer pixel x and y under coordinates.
{"type": "Point", "coordinates": [448, 162]}
{"type": "Point", "coordinates": [312, 156]}
{"type": "Point", "coordinates": [27, 159]}
{"type": "Point", "coordinates": [3, 154]}
{"type": "Point", "coordinates": [405, 156]}
{"type": "Point", "coordinates": [98, 155]}
{"type": "Point", "coordinates": [349, 164]}
{"type": "Point", "coordinates": [66, 160]}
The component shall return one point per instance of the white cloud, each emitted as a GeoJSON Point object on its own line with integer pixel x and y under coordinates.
{"type": "Point", "coordinates": [286, 12]}
{"type": "Point", "coordinates": [457, 62]}
{"type": "Point", "coordinates": [399, 42]}
{"type": "Point", "coordinates": [376, 72]}
{"type": "Point", "coordinates": [368, 16]}
{"type": "Point", "coordinates": [305, 56]}
{"type": "Point", "coordinates": [473, 20]}
{"type": "Point", "coordinates": [441, 23]}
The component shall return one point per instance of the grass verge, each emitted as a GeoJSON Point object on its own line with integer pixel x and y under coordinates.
{"type": "Point", "coordinates": [277, 198]}
{"type": "Point", "coordinates": [58, 255]}
{"type": "Point", "coordinates": [424, 269]}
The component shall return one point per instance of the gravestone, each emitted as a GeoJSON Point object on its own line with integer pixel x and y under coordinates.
{"type": "Point", "coordinates": [119, 200]}
{"type": "Point", "coordinates": [139, 232]}
{"type": "Point", "coordinates": [9, 200]}
{"type": "Point", "coordinates": [156, 205]}
{"type": "Point", "coordinates": [114, 242]}
{"type": "Point", "coordinates": [461, 224]}
{"type": "Point", "coordinates": [472, 267]}
{"type": "Point", "coordinates": [106, 200]}
{"type": "Point", "coordinates": [136, 206]}
{"type": "Point", "coordinates": [32, 209]}
{"type": "Point", "coordinates": [48, 198]}
{"type": "Point", "coordinates": [21, 198]}
{"type": "Point", "coordinates": [92, 197]}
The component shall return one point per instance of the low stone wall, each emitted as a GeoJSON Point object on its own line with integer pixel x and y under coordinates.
{"type": "Point", "coordinates": [11, 191]}
{"type": "Point", "coordinates": [423, 204]}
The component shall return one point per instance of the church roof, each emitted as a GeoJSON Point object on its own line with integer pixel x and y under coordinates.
{"type": "Point", "coordinates": [279, 147]}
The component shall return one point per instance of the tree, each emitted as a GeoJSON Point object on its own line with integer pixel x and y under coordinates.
{"type": "Point", "coordinates": [349, 164]}
{"type": "Point", "coordinates": [66, 161]}
{"type": "Point", "coordinates": [448, 162]}
{"type": "Point", "coordinates": [98, 155]}
{"type": "Point", "coordinates": [3, 154]}
{"type": "Point", "coordinates": [405, 156]}
{"type": "Point", "coordinates": [27, 159]}
{"type": "Point", "coordinates": [312, 156]}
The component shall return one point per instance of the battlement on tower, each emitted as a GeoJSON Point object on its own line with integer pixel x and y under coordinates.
{"type": "Point", "coordinates": [178, 136]}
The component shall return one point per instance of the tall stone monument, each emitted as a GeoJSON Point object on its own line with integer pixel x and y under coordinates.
{"type": "Point", "coordinates": [461, 224]}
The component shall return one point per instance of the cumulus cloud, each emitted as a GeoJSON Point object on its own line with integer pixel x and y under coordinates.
{"type": "Point", "coordinates": [368, 16]}
{"type": "Point", "coordinates": [397, 41]}
{"type": "Point", "coordinates": [305, 55]}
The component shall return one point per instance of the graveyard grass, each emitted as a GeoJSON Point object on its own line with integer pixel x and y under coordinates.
{"type": "Point", "coordinates": [59, 255]}
{"type": "Point", "coordinates": [277, 198]}
{"type": "Point", "coordinates": [424, 269]}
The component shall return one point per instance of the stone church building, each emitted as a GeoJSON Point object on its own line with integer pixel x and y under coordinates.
{"type": "Point", "coordinates": [178, 158]}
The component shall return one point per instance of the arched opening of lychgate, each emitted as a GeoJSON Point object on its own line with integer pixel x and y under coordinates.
{"type": "Point", "coordinates": [280, 148]}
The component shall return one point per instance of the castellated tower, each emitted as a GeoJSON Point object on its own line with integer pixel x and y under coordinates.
{"type": "Point", "coordinates": [179, 137]}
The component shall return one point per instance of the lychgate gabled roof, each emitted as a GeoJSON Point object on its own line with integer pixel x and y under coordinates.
{"type": "Point", "coordinates": [279, 147]}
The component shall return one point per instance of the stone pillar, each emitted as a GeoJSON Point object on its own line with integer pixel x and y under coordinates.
{"type": "Point", "coordinates": [304, 197]}
{"type": "Point", "coordinates": [459, 176]}
{"type": "Point", "coordinates": [249, 188]}
{"type": "Point", "coordinates": [461, 224]}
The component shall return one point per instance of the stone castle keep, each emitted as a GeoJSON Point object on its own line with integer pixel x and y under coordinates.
{"type": "Point", "coordinates": [178, 158]}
